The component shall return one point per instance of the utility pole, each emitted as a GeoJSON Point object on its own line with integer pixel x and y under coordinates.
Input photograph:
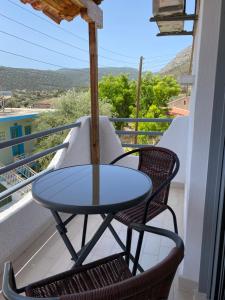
{"type": "Point", "coordinates": [138, 95]}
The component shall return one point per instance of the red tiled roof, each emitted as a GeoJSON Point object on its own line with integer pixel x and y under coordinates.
{"type": "Point", "coordinates": [175, 111]}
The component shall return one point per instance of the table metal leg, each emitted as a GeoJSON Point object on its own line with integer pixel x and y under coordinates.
{"type": "Point", "coordinates": [84, 231]}
{"type": "Point", "coordinates": [138, 251]}
{"type": "Point", "coordinates": [81, 255]}
{"type": "Point", "coordinates": [62, 231]}
{"type": "Point", "coordinates": [87, 249]}
{"type": "Point", "coordinates": [121, 244]}
{"type": "Point", "coordinates": [128, 244]}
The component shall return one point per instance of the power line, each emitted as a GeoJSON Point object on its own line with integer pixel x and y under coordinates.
{"type": "Point", "coordinates": [42, 33]}
{"type": "Point", "coordinates": [169, 54]}
{"type": "Point", "coordinates": [69, 32]}
{"type": "Point", "coordinates": [157, 61]}
{"type": "Point", "coordinates": [156, 65]}
{"type": "Point", "coordinates": [155, 68]}
{"type": "Point", "coordinates": [81, 38]}
{"type": "Point", "coordinates": [84, 39]}
{"type": "Point", "coordinates": [47, 21]}
{"type": "Point", "coordinates": [58, 40]}
{"type": "Point", "coordinates": [47, 63]}
{"type": "Point", "coordinates": [43, 47]}
{"type": "Point", "coordinates": [33, 59]}
{"type": "Point", "coordinates": [117, 53]}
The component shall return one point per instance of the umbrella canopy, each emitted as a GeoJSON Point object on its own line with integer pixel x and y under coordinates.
{"type": "Point", "coordinates": [59, 10]}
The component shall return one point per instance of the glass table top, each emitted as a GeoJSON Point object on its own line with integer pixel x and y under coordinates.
{"type": "Point", "coordinates": [90, 189]}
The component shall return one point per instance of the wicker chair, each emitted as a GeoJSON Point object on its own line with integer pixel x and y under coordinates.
{"type": "Point", "coordinates": [161, 165]}
{"type": "Point", "coordinates": [108, 278]}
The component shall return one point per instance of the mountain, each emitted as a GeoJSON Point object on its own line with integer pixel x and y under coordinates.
{"type": "Point", "coordinates": [31, 79]}
{"type": "Point", "coordinates": [179, 65]}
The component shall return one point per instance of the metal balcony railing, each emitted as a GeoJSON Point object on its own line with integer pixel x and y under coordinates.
{"type": "Point", "coordinates": [24, 161]}
{"type": "Point", "coordinates": [12, 178]}
{"type": "Point", "coordinates": [137, 133]}
{"type": "Point", "coordinates": [19, 164]}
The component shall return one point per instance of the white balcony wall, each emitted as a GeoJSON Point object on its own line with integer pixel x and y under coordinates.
{"type": "Point", "coordinates": [176, 139]}
{"type": "Point", "coordinates": [20, 226]}
{"type": "Point", "coordinates": [204, 69]}
{"type": "Point", "coordinates": [78, 152]}
{"type": "Point", "coordinates": [110, 144]}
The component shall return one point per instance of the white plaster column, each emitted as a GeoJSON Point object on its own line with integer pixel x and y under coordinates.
{"type": "Point", "coordinates": [205, 60]}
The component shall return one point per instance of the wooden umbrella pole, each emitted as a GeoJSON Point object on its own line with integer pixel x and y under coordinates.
{"type": "Point", "coordinates": [94, 133]}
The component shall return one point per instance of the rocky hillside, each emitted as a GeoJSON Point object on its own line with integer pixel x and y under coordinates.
{"type": "Point", "coordinates": [30, 79]}
{"type": "Point", "coordinates": [179, 65]}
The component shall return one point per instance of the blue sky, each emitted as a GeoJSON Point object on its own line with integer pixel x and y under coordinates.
{"type": "Point", "coordinates": [127, 34]}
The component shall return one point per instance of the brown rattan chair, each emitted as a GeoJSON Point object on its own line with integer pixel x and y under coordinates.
{"type": "Point", "coordinates": [108, 278]}
{"type": "Point", "coordinates": [161, 165]}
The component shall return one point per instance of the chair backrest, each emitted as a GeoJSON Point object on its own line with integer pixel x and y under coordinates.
{"type": "Point", "coordinates": [153, 284]}
{"type": "Point", "coordinates": [161, 165]}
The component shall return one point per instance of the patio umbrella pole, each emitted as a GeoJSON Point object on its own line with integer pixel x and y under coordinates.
{"type": "Point", "coordinates": [94, 133]}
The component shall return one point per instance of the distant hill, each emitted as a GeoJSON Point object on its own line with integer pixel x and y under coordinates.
{"type": "Point", "coordinates": [31, 79]}
{"type": "Point", "coordinates": [36, 80]}
{"type": "Point", "coordinates": [179, 65]}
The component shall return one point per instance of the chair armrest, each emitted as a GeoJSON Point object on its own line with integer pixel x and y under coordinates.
{"type": "Point", "coordinates": [8, 284]}
{"type": "Point", "coordinates": [160, 231]}
{"type": "Point", "coordinates": [124, 155]}
{"type": "Point", "coordinates": [9, 287]}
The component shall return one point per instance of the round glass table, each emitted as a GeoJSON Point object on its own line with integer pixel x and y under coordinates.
{"type": "Point", "coordinates": [90, 189]}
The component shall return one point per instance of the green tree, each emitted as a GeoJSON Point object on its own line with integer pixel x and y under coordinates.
{"type": "Point", "coordinates": [158, 90]}
{"type": "Point", "coordinates": [69, 108]}
{"type": "Point", "coordinates": [153, 112]}
{"type": "Point", "coordinates": [119, 91]}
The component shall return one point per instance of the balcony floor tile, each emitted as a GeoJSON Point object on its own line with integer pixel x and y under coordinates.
{"type": "Point", "coordinates": [53, 257]}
